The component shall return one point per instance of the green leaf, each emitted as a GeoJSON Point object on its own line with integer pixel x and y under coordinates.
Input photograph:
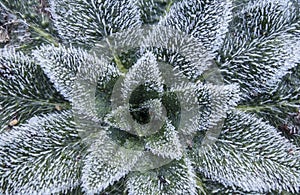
{"type": "Point", "coordinates": [172, 75]}
{"type": "Point", "coordinates": [65, 66]}
{"type": "Point", "coordinates": [205, 20]}
{"type": "Point", "coordinates": [152, 10]}
{"type": "Point", "coordinates": [166, 143]}
{"type": "Point", "coordinates": [184, 53]}
{"type": "Point", "coordinates": [106, 163]}
{"type": "Point", "coordinates": [176, 178]}
{"type": "Point", "coordinates": [261, 48]}
{"type": "Point", "coordinates": [203, 106]}
{"type": "Point", "coordinates": [86, 22]}
{"type": "Point", "coordinates": [281, 106]}
{"type": "Point", "coordinates": [25, 89]}
{"type": "Point", "coordinates": [145, 72]}
{"type": "Point", "coordinates": [41, 156]}
{"type": "Point", "coordinates": [251, 156]}
{"type": "Point", "coordinates": [137, 95]}
{"type": "Point", "coordinates": [142, 121]}
{"type": "Point", "coordinates": [223, 99]}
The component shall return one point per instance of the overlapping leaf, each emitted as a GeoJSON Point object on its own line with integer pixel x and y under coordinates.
{"type": "Point", "coordinates": [251, 156]}
{"type": "Point", "coordinates": [152, 10]}
{"type": "Point", "coordinates": [144, 72]}
{"type": "Point", "coordinates": [176, 178]}
{"type": "Point", "coordinates": [260, 49]}
{"type": "Point", "coordinates": [106, 163]}
{"type": "Point", "coordinates": [184, 52]}
{"type": "Point", "coordinates": [25, 89]}
{"type": "Point", "coordinates": [65, 66]}
{"type": "Point", "coordinates": [166, 143]}
{"type": "Point", "coordinates": [205, 20]}
{"type": "Point", "coordinates": [204, 105]}
{"type": "Point", "coordinates": [86, 22]}
{"type": "Point", "coordinates": [41, 156]}
{"type": "Point", "coordinates": [281, 106]}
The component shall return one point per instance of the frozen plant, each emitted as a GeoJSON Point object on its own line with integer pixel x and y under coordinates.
{"type": "Point", "coordinates": [150, 97]}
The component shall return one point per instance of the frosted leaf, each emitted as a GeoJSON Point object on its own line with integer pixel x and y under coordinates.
{"type": "Point", "coordinates": [176, 178]}
{"type": "Point", "coordinates": [203, 106]}
{"type": "Point", "coordinates": [152, 10]}
{"type": "Point", "coordinates": [281, 107]}
{"type": "Point", "coordinates": [121, 49]}
{"type": "Point", "coordinates": [65, 65]}
{"type": "Point", "coordinates": [41, 156]}
{"type": "Point", "coordinates": [185, 53]}
{"type": "Point", "coordinates": [144, 72]}
{"type": "Point", "coordinates": [262, 20]}
{"type": "Point", "coordinates": [89, 21]}
{"type": "Point", "coordinates": [289, 58]}
{"type": "Point", "coordinates": [136, 103]}
{"type": "Point", "coordinates": [272, 59]}
{"type": "Point", "coordinates": [261, 48]}
{"type": "Point", "coordinates": [265, 140]}
{"type": "Point", "coordinates": [166, 143]}
{"type": "Point", "coordinates": [224, 99]}
{"type": "Point", "coordinates": [205, 20]}
{"type": "Point", "coordinates": [240, 171]}
{"type": "Point", "coordinates": [106, 163]}
{"type": "Point", "coordinates": [172, 95]}
{"type": "Point", "coordinates": [24, 89]}
{"type": "Point", "coordinates": [262, 160]}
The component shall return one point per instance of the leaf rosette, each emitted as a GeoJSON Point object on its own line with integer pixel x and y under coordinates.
{"type": "Point", "coordinates": [154, 106]}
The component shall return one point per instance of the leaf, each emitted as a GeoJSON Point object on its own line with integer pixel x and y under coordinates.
{"type": "Point", "coordinates": [259, 56]}
{"type": "Point", "coordinates": [136, 96]}
{"type": "Point", "coordinates": [106, 163]}
{"type": "Point", "coordinates": [86, 22]}
{"type": "Point", "coordinates": [144, 72]}
{"type": "Point", "coordinates": [260, 50]}
{"type": "Point", "coordinates": [25, 90]}
{"type": "Point", "coordinates": [282, 101]}
{"type": "Point", "coordinates": [205, 20]}
{"type": "Point", "coordinates": [262, 20]}
{"type": "Point", "coordinates": [41, 156]}
{"type": "Point", "coordinates": [251, 156]}
{"type": "Point", "coordinates": [176, 178]}
{"type": "Point", "coordinates": [203, 106]}
{"type": "Point", "coordinates": [166, 143]}
{"type": "Point", "coordinates": [79, 76]}
{"type": "Point", "coordinates": [153, 10]}
{"type": "Point", "coordinates": [271, 50]}
{"type": "Point", "coordinates": [183, 52]}
{"type": "Point", "coordinates": [66, 66]}
{"type": "Point", "coordinates": [281, 106]}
